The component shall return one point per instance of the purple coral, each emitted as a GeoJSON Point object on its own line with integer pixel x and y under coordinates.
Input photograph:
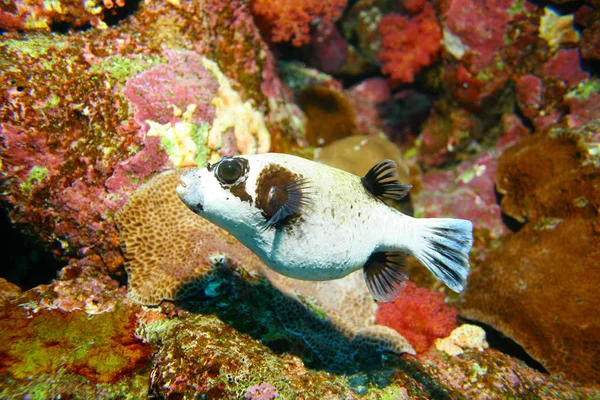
{"type": "Point", "coordinates": [263, 391]}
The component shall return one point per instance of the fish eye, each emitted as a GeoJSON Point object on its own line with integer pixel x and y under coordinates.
{"type": "Point", "coordinates": [229, 170]}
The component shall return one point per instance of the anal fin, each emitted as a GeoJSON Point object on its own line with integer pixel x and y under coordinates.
{"type": "Point", "coordinates": [382, 181]}
{"type": "Point", "coordinates": [384, 275]}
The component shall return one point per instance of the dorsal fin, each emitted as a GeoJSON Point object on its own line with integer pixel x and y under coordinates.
{"type": "Point", "coordinates": [285, 201]}
{"type": "Point", "coordinates": [382, 181]}
{"type": "Point", "coordinates": [384, 275]}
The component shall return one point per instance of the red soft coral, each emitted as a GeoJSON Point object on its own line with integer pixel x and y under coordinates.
{"type": "Point", "coordinates": [420, 315]}
{"type": "Point", "coordinates": [414, 5]}
{"type": "Point", "coordinates": [409, 44]}
{"type": "Point", "coordinates": [290, 20]}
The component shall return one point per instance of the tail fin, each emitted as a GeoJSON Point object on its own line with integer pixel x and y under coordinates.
{"type": "Point", "coordinates": [443, 247]}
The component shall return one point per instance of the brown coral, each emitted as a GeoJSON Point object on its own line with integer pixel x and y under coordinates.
{"type": "Point", "coordinates": [540, 285]}
{"type": "Point", "coordinates": [541, 177]}
{"type": "Point", "coordinates": [357, 154]}
{"type": "Point", "coordinates": [329, 115]}
{"type": "Point", "coordinates": [541, 289]}
{"type": "Point", "coordinates": [166, 245]}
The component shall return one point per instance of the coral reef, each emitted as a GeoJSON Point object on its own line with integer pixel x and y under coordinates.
{"type": "Point", "coordinates": [468, 191]}
{"type": "Point", "coordinates": [99, 98]}
{"type": "Point", "coordinates": [556, 29]}
{"type": "Point", "coordinates": [530, 173]}
{"type": "Point", "coordinates": [202, 355]}
{"type": "Point", "coordinates": [329, 115]}
{"type": "Point", "coordinates": [536, 272]}
{"type": "Point", "coordinates": [167, 246]}
{"type": "Point", "coordinates": [264, 391]}
{"type": "Point", "coordinates": [75, 141]}
{"type": "Point", "coordinates": [548, 183]}
{"type": "Point", "coordinates": [464, 337]}
{"type": "Point", "coordinates": [290, 20]}
{"type": "Point", "coordinates": [409, 44]}
{"type": "Point", "coordinates": [588, 18]}
{"type": "Point", "coordinates": [357, 154]}
{"type": "Point", "coordinates": [19, 15]}
{"type": "Point", "coordinates": [74, 337]}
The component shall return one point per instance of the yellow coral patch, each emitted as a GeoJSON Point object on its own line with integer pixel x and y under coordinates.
{"type": "Point", "coordinates": [556, 29]}
{"type": "Point", "coordinates": [232, 113]}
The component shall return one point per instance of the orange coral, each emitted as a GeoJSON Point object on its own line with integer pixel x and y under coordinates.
{"type": "Point", "coordinates": [290, 20]}
{"type": "Point", "coordinates": [420, 315]}
{"type": "Point", "coordinates": [409, 44]}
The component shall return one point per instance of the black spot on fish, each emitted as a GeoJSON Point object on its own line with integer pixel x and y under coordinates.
{"type": "Point", "coordinates": [280, 194]}
{"type": "Point", "coordinates": [240, 192]}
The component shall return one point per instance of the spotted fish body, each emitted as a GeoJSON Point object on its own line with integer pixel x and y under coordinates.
{"type": "Point", "coordinates": [310, 221]}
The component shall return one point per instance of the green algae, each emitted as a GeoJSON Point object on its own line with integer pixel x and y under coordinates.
{"type": "Point", "coordinates": [516, 8]}
{"type": "Point", "coordinates": [36, 175]}
{"type": "Point", "coordinates": [183, 142]}
{"type": "Point", "coordinates": [316, 311]}
{"type": "Point", "coordinates": [35, 46]}
{"type": "Point", "coordinates": [484, 76]}
{"type": "Point", "coordinates": [393, 392]}
{"type": "Point", "coordinates": [76, 342]}
{"type": "Point", "coordinates": [584, 89]}
{"type": "Point", "coordinates": [122, 68]}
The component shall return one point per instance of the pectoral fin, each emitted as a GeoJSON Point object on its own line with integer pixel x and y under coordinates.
{"type": "Point", "coordinates": [384, 275]}
{"type": "Point", "coordinates": [382, 181]}
{"type": "Point", "coordinates": [285, 201]}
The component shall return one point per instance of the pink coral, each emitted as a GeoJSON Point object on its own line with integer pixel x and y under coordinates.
{"type": "Point", "coordinates": [420, 315]}
{"type": "Point", "coordinates": [183, 81]}
{"type": "Point", "coordinates": [409, 44]}
{"type": "Point", "coordinates": [566, 65]}
{"type": "Point", "coordinates": [481, 26]}
{"type": "Point", "coordinates": [290, 20]}
{"type": "Point", "coordinates": [264, 391]}
{"type": "Point", "coordinates": [529, 90]}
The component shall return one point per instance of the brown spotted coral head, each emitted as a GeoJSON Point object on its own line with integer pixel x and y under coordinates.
{"type": "Point", "coordinates": [313, 222]}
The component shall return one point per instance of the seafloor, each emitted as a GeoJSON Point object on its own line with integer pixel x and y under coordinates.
{"type": "Point", "coordinates": [112, 288]}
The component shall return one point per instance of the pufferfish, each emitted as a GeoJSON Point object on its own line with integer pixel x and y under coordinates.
{"type": "Point", "coordinates": [313, 222]}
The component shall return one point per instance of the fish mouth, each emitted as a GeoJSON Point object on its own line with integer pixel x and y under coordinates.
{"type": "Point", "coordinates": [183, 191]}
